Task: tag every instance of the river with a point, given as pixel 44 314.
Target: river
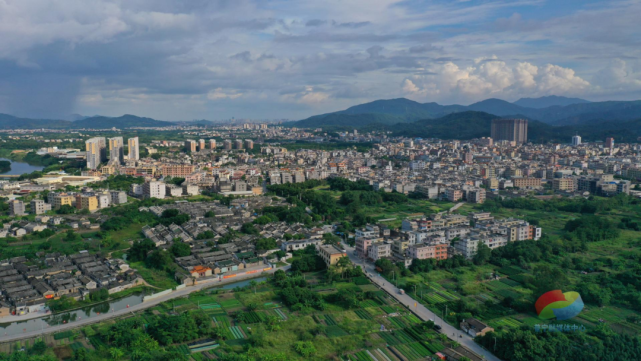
pixel 18 327
pixel 19 168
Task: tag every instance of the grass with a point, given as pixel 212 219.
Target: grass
pixel 156 278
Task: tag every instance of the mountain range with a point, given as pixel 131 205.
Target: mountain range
pixel 552 118
pixel 553 110
pixel 95 122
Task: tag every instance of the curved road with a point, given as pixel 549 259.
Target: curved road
pixel 420 310
pixel 139 307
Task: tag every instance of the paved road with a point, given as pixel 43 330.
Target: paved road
pixel 139 307
pixel 456 206
pixel 420 310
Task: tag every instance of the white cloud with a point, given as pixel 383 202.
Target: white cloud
pixel 492 78
pixel 218 94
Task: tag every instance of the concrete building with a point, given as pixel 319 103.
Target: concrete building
pixel 16 208
pixel 362 246
pixel 116 150
pixel 526 182
pixel 212 144
pixel 38 206
pixel 238 144
pixel 201 144
pixel 96 152
pixel 87 201
pixel 153 189
pixel 191 145
pixel 134 148
pixel 425 251
pixel 330 254
pixel 118 197
pixel 576 140
pixel 249 144
pixel 564 184
pixel 227 144
pixel 514 130
pixel 379 250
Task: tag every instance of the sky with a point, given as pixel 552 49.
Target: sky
pixel 282 59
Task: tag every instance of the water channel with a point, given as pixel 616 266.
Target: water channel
pixel 42 323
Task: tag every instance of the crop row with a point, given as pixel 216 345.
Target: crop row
pixel 335 331
pixel 330 321
pixel 237 332
pixel 363 314
pixel 221 321
pixel 413 351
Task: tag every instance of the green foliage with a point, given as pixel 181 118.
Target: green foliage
pixel 173 216
pixel 176 329
pixel 305 348
pixel 139 250
pixel 159 259
pixel 248 228
pixel 524 344
pixel 308 263
pixel 263 244
pixel 180 249
pixel 591 229
pixel 99 295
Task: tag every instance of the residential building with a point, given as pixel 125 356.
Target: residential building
pixel 425 251
pixel 134 148
pixel 118 197
pixel 249 144
pixel 564 184
pixel 16 208
pixel 379 250
pixel 513 130
pixel 153 189
pixel 227 144
pixel 38 206
pixel 96 152
pixel 330 254
pixel 87 201
pixel 191 145
pixel 116 150
pixel 576 140
pixel 474 327
pixel 212 144
pixel 526 182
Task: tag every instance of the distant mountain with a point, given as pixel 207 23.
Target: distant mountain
pixel 11 122
pixel 499 107
pixel 125 121
pixel 404 110
pixel 548 101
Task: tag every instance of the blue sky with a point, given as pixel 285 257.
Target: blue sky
pixel 208 59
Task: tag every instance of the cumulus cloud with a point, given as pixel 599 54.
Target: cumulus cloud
pixel 491 77
pixel 218 94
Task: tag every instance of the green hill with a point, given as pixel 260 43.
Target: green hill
pixel 125 121
pixel 11 122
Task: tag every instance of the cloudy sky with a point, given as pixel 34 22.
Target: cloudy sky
pixel 268 59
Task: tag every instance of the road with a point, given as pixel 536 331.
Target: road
pixel 456 206
pixel 139 307
pixel 420 310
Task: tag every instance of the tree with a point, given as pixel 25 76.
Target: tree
pixel 548 278
pixel 210 214
pixel 253 284
pixel 139 250
pixel 71 236
pixel 159 259
pixel 482 255
pixel 180 249
pixel 305 348
pixel 116 353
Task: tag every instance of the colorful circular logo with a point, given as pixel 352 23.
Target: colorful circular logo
pixel 557 304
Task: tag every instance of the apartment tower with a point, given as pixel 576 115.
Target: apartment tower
pixel 513 130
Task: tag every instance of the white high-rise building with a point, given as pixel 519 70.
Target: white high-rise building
pixel 576 140
pixel 96 151
pixel 153 189
pixel 134 148
pixel 116 149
